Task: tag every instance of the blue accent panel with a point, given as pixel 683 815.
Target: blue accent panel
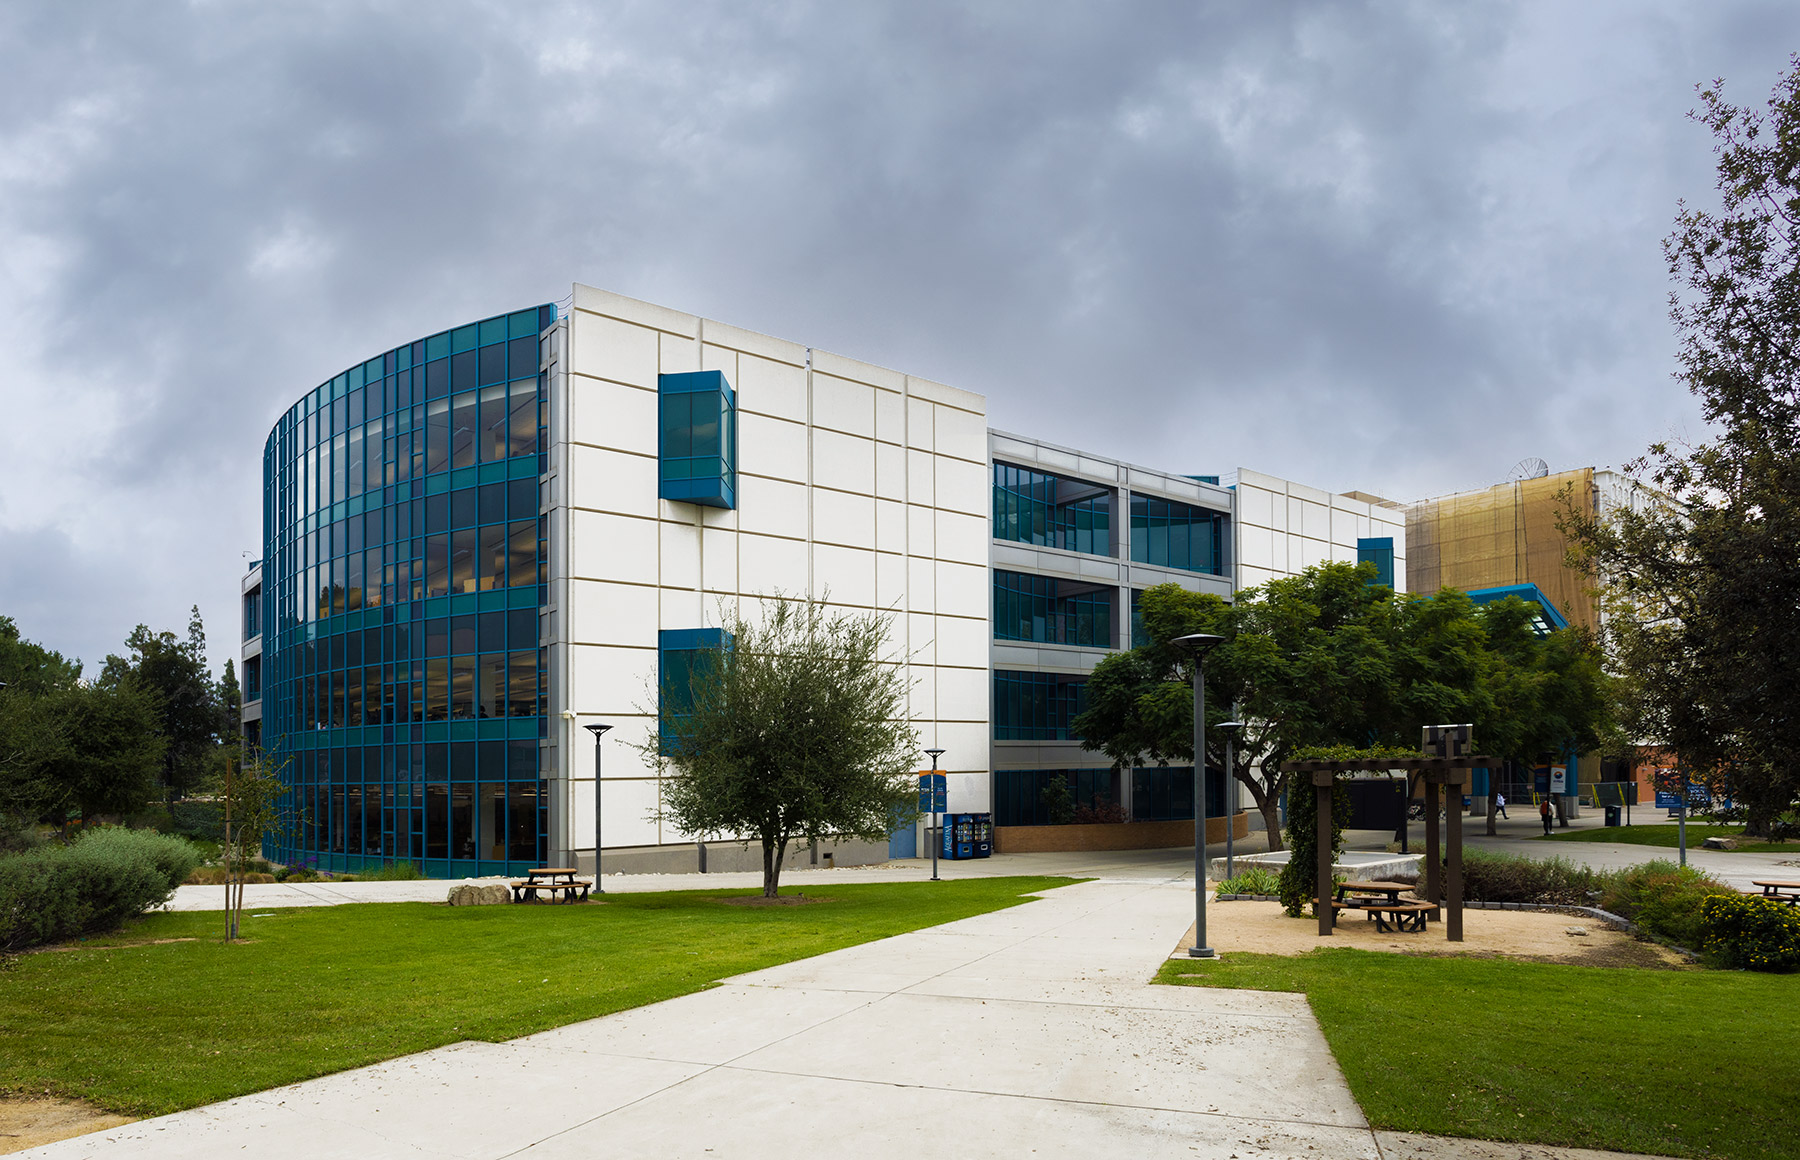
pixel 677 650
pixel 1379 551
pixel 697 439
pixel 1549 619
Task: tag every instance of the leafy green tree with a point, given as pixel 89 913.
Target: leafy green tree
pixel 191 720
pixel 1701 581
pixel 1328 659
pixel 797 732
pixel 110 753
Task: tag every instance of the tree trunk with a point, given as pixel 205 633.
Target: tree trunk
pixel 1493 829
pixel 1271 812
pixel 774 850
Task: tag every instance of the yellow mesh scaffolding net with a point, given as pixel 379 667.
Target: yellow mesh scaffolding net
pixel 1504 535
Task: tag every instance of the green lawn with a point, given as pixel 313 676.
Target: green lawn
pixel 144 1028
pixel 1684 1063
pixel 1668 834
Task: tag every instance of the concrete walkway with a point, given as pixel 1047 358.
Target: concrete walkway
pixel 1030 1031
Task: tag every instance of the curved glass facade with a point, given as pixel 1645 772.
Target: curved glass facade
pixel 403 573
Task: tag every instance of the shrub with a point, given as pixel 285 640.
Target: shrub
pixel 1757 934
pixel 1255 880
pixel 1663 899
pixel 107 876
pixel 1299 882
pixel 1057 802
pixel 1493 877
pixel 393 872
pixel 195 819
pixel 1100 813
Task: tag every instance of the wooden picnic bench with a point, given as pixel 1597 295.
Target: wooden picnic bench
pixel 1380 901
pixel 553 880
pixel 1780 889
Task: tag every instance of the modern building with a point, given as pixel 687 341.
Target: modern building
pixel 479 543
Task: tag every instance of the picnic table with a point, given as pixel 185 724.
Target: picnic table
pixel 1381 902
pixel 552 880
pixel 1780 889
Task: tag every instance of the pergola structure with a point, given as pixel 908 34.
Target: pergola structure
pixel 1440 773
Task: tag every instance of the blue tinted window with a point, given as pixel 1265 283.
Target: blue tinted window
pixel 1031 507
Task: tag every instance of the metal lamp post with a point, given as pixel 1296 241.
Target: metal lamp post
pixel 597 730
pixel 936 838
pixel 1231 793
pixel 1199 644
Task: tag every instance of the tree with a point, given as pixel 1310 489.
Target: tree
pixel 1701 583
pixel 190 718
pixel 252 796
pixel 1328 659
pixel 795 732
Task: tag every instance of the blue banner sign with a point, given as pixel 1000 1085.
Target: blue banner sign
pixel 1667 801
pixel 932 792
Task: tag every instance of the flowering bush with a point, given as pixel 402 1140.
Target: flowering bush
pixel 1757 934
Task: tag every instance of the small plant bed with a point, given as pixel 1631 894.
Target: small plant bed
pixel 141 1023
pixel 1683 1063
pixel 1668 834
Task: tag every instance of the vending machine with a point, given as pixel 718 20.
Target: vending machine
pixel 959 836
pixel 983 834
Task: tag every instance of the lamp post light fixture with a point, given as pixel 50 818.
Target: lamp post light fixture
pixel 597 731
pixel 1230 728
pixel 1199 644
pixel 936 837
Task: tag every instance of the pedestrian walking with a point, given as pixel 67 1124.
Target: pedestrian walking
pixel 1500 804
pixel 1544 813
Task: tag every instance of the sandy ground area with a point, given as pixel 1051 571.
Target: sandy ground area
pixel 1532 935
pixel 27 1123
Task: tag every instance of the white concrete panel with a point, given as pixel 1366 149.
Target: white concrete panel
pixel 963 694
pixel 1254 505
pixel 771 388
pixel 963 590
pixel 961 434
pixel 1310 552
pixel 1278 512
pixel 921 636
pixel 632 310
pixel 679 545
pixel 962 642
pixel 608 678
pixel 1344 528
pixel 963 487
pixel 862 372
pixel 890 526
pixel 611 547
pixel 684 608
pixel 610 349
pixel 1256 547
pixel 753 342
pixel 679 355
pixel 923 698
pixel 771 447
pixel 1254 577
pixel 611 481
pixel 611 415
pixel 962 538
pixel 771 507
pixel 847 574
pixel 965 744
pixel 843 405
pixel 890 471
pixel 918 424
pixel 950 396
pixel 921 585
pixel 1310 494
pixel 622 614
pixel 719 358
pixel 890 416
pixel 767 565
pixel 718 560
pixel 1315 520
pixel 967 793
pixel 843 462
pixel 921 530
pixel 627 817
pixel 843 519
pixel 921 477
pixel 890 582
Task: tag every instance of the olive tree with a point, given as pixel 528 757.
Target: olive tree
pixel 794 730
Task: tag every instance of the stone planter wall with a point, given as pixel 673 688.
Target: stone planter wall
pixel 1112 836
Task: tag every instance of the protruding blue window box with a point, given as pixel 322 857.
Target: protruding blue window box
pixel 679 650
pixel 697 446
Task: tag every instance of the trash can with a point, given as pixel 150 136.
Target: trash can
pixel 1612 815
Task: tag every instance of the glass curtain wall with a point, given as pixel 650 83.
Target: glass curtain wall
pixel 404 570
pixel 1051 611
pixel 1177 535
pixel 1031 507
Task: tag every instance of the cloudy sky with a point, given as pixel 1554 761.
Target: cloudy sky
pixel 1390 247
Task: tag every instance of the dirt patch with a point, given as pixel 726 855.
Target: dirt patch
pixel 759 902
pixel 1531 935
pixel 29 1122
pixel 113 946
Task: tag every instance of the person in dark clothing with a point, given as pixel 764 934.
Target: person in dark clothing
pixel 1544 813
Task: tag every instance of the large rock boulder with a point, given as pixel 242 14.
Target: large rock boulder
pixel 1721 844
pixel 469 894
